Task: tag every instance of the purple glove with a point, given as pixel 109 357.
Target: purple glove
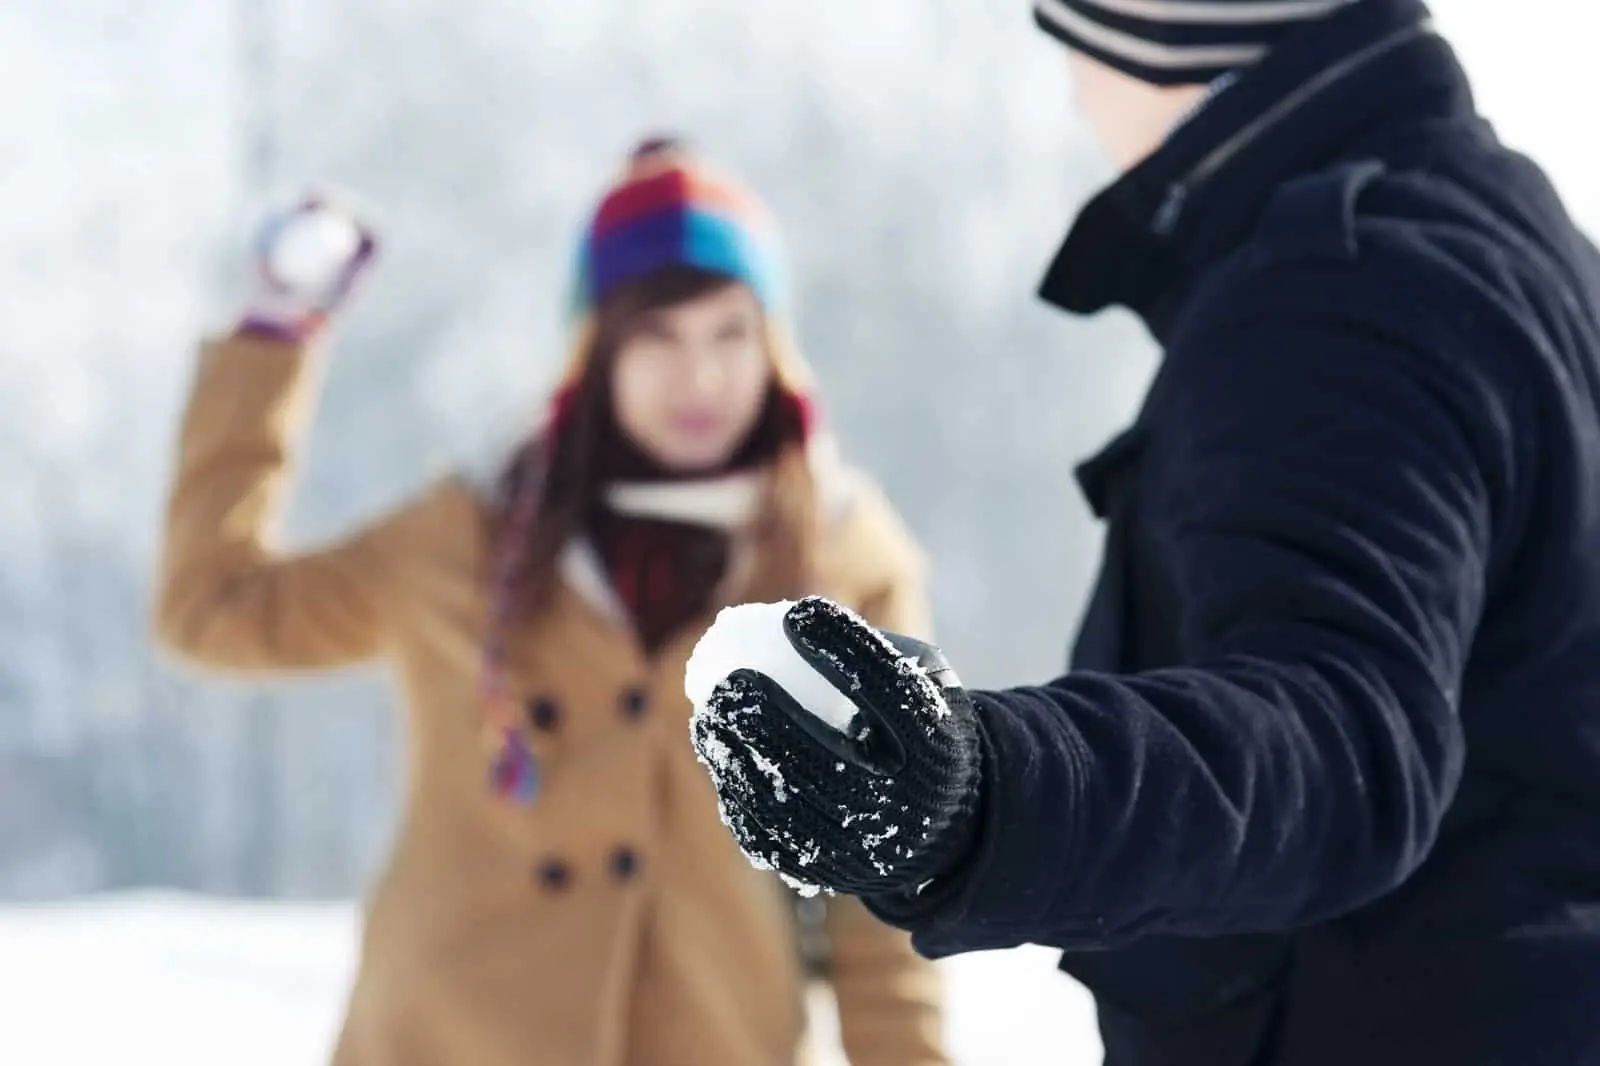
pixel 306 262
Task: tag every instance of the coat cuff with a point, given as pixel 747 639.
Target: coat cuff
pixel 932 913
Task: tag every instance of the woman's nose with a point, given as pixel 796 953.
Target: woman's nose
pixel 703 376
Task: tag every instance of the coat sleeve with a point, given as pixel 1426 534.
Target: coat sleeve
pixel 226 599
pixel 890 999
pixel 1325 498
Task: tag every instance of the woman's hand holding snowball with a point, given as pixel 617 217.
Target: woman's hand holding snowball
pixel 306 261
pixel 869 803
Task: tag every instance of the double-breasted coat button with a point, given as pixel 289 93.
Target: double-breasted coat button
pixel 554 874
pixel 544 714
pixel 624 863
pixel 635 703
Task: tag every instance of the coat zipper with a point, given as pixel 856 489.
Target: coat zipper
pixel 1177 194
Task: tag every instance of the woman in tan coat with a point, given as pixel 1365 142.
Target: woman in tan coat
pixel 561 893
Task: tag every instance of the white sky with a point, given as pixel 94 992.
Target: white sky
pixel 1530 64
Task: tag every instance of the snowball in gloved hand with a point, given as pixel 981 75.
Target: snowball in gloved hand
pixel 306 262
pixel 311 248
pixel 751 637
pixel 882 805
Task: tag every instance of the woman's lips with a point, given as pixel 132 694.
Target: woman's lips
pixel 697 424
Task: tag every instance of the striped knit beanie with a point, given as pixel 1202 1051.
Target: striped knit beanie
pixel 668 209
pixel 1177 42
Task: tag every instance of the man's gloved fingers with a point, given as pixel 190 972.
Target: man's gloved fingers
pixel 723 756
pixel 802 851
pixel 773 840
pixel 755 748
pixel 888 686
pixel 746 770
pixel 822 756
pixel 928 656
pixel 789 824
pixel 753 838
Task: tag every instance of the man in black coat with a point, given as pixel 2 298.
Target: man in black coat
pixel 1322 787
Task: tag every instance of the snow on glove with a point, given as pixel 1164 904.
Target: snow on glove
pixel 873 803
pixel 306 262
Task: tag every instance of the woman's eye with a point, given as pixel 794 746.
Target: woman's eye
pixel 733 331
pixel 653 329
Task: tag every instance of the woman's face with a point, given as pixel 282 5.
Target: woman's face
pixel 690 380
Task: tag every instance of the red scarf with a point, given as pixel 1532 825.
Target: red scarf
pixel 665 572
pixel 664 567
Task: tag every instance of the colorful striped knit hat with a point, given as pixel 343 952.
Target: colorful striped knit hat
pixel 672 209
pixel 669 209
pixel 1177 42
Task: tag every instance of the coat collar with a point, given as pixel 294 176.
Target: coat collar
pixel 1140 241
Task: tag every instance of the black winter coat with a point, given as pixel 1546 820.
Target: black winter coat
pixel 1323 785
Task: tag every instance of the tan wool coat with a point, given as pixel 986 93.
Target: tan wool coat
pixel 613 922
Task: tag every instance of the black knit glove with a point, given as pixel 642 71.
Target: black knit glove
pixel 879 809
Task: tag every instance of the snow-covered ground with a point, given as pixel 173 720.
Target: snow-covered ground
pixel 187 981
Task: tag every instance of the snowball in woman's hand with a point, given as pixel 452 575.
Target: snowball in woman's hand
pixel 312 248
pixel 751 637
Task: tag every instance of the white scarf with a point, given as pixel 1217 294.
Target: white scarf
pixel 727 503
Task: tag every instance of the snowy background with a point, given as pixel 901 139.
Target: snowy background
pixel 922 155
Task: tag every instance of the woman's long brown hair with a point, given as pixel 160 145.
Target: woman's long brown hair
pixel 782 537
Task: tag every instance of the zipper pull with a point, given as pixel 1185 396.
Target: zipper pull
pixel 1171 210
